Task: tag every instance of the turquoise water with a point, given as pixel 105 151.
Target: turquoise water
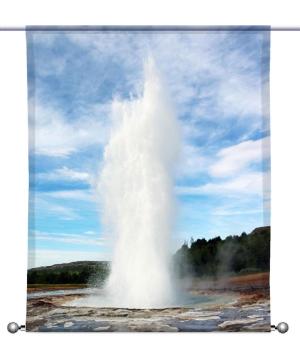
pixel 94 297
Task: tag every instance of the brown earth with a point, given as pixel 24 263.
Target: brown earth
pixel 44 287
pixel 243 283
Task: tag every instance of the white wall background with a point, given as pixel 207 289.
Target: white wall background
pixel 285 115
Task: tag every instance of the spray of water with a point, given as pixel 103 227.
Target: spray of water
pixel 136 191
pixel 136 188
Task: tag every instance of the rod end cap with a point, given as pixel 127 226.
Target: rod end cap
pixel 13 327
pixel 282 327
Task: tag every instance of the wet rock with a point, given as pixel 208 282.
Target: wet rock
pixel 232 325
pixel 68 324
pixel 52 315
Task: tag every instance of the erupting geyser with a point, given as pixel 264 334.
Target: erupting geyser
pixel 136 191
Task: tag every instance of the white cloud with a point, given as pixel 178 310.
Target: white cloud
pixel 235 211
pixel 65 213
pixel 83 195
pixel 40 202
pixel 230 161
pixel 47 67
pixel 62 205
pixel 251 183
pixel 236 84
pixel 52 134
pixel 232 85
pixel 239 96
pixel 192 161
pixel 65 238
pixel 90 233
pixel 64 174
pixel 212 76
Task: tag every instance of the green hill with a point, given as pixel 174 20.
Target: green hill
pixel 78 272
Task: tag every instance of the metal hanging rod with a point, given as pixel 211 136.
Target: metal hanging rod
pixel 147 28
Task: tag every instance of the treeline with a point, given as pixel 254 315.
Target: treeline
pixel 81 272
pixel 233 255
pixel 213 258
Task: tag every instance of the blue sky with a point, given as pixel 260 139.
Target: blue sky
pixel 217 82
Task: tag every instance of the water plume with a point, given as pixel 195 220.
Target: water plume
pixel 136 191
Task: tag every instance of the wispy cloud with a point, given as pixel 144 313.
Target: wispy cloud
pixel 193 161
pixel 231 173
pixel 52 134
pixel 38 203
pixel 64 174
pixel 212 76
pixel 90 238
pixel 80 195
pixel 247 184
pixel 230 161
pixel 227 162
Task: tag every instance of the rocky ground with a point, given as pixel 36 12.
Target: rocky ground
pixel 239 305
pixel 47 315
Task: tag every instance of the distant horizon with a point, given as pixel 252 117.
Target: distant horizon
pixel 108 261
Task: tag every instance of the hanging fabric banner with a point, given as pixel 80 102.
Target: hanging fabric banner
pixel 149 179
